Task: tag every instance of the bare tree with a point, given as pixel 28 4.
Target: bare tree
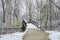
pixel 29 4
pixel 3 11
pixel 55 4
pixel 50 4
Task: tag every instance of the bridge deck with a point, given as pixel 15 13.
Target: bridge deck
pixel 34 34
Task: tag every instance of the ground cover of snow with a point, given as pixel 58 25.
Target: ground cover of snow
pixel 13 36
pixel 53 35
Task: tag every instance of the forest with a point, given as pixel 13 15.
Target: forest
pixel 41 12
pixel 44 14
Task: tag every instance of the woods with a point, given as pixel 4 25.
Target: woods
pixel 43 13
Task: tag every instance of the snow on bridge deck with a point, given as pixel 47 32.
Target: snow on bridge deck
pixel 30 25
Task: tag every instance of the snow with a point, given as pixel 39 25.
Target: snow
pixel 13 36
pixel 54 35
pixel 30 25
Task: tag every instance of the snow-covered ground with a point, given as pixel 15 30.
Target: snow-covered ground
pixel 13 36
pixel 53 35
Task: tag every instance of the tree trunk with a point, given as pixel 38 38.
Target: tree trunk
pixel 3 11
